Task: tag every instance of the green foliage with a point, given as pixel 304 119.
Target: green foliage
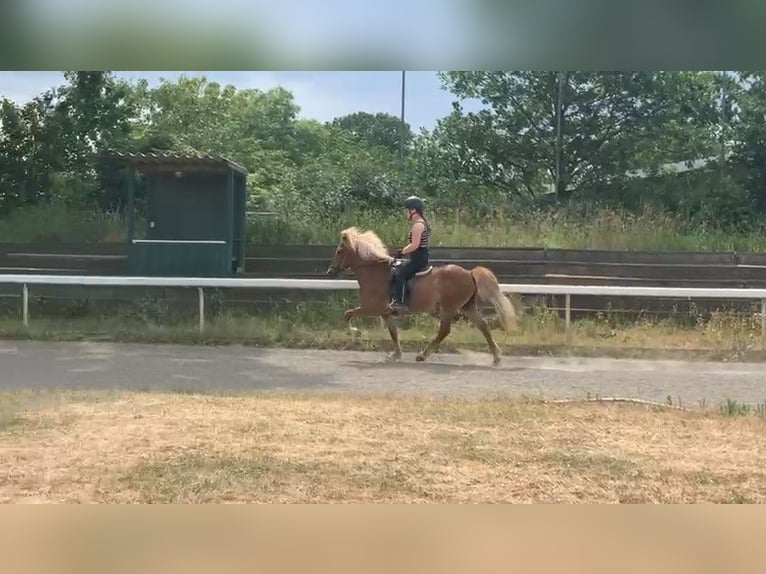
pixel 489 168
pixel 60 135
pixel 377 130
pixel 749 154
pixel 611 122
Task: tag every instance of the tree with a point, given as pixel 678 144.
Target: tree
pixel 749 153
pixel 611 123
pixel 376 130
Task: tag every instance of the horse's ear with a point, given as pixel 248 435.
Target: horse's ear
pixel 344 237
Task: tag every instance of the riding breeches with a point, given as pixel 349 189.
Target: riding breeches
pixel 418 262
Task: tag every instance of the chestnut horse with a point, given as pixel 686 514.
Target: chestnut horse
pixel 446 290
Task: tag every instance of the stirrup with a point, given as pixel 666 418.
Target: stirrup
pixel 397 307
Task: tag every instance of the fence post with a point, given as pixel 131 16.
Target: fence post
pixel 568 316
pixel 25 304
pixel 201 294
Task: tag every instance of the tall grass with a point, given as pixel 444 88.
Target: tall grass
pixel 321 324
pixel 54 223
pixel 566 227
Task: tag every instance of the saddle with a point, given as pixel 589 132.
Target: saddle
pixel 396 263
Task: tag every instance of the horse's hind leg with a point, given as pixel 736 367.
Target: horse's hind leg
pixel 471 311
pixel 445 326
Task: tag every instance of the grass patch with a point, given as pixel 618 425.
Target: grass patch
pixel 320 324
pixel 26 410
pixel 144 447
pixel 603 464
pixel 733 408
pixel 8 414
pixel 198 479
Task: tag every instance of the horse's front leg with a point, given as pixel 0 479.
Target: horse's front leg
pixel 389 321
pixel 349 315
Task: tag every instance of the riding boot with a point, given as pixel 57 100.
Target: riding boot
pixel 396 306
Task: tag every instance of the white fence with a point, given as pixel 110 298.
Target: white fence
pixel 200 283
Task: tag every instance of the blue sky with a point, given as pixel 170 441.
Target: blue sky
pixel 321 95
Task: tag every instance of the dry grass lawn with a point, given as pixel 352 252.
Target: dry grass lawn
pixel 125 448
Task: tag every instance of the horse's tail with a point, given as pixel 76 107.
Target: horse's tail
pixel 488 291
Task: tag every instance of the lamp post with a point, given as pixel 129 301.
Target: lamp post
pixel 401 126
pixel 559 135
pixel 722 158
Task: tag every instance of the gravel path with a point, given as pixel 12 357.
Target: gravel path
pixel 35 365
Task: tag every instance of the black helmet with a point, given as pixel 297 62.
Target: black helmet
pixel 414 202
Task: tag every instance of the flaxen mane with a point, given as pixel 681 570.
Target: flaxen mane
pixel 367 244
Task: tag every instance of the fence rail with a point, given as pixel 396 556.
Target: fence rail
pixel 540 266
pixel 201 283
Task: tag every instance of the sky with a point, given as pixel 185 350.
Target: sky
pixel 321 95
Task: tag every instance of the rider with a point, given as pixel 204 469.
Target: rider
pixel 417 248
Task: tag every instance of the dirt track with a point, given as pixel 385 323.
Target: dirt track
pixel 35 365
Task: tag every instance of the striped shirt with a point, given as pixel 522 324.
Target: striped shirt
pixel 425 237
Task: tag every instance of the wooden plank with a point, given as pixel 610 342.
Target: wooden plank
pixel 52 260
pixel 304 266
pixel 593 256
pixel 758 259
pixel 640 271
pixel 277 267
pixel 483 255
pixel 523 279
pixel 39 271
pixel 290 251
pixel 449 253
pixel 443 252
pixel 64 248
pixel 752 273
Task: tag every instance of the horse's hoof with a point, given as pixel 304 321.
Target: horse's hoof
pixel 496 361
pixel 393 357
pixel 420 358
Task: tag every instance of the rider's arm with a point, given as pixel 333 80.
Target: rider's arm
pixel 417 231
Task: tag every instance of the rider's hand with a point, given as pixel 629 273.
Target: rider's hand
pixel 398 253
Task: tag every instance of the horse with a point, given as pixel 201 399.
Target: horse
pixel 447 291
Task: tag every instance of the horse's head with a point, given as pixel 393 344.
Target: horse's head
pixel 358 248
pixel 343 256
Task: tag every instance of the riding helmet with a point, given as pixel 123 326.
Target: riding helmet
pixel 414 202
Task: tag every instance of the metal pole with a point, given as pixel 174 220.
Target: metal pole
pixel 131 206
pixel 401 127
pixel 568 312
pixel 558 133
pixel 25 304
pixel 763 324
pixel 723 125
pixel 201 294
